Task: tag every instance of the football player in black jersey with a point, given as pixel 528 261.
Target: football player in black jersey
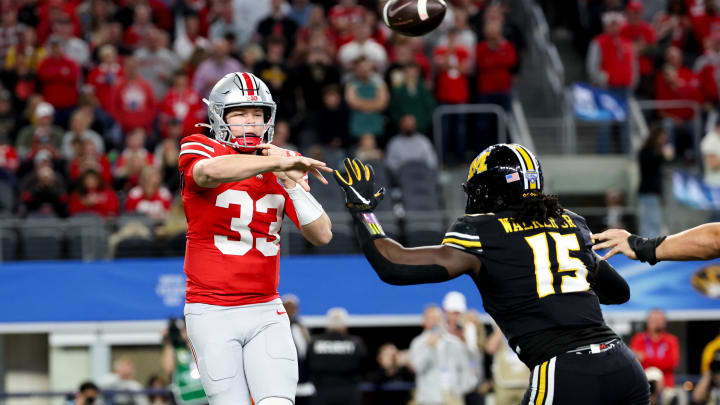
pixel 532 262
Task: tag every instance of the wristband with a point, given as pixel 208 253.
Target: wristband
pixel 367 227
pixel 644 248
pixel 307 208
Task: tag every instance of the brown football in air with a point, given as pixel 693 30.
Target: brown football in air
pixel 414 17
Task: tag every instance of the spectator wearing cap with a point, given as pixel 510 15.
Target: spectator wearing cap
pixel 215 67
pixel 103 77
pixel 363 46
pixel 93 196
pixel 335 362
pixel 133 158
pixel 612 64
pixel 278 76
pixel 411 96
pixel 642 35
pixel 367 96
pixel 467 327
pixel 442 369
pixel 656 348
pixel 40 135
pixel 181 103
pixel 80 123
pixel 133 99
pixel 188 37
pixel 676 82
pixel 278 23
pixel 149 197
pixel 43 191
pixel 156 62
pixel 73 47
pixel 409 146
pixel 60 78
pixel 452 66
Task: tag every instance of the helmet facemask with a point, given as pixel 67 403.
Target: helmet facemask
pixel 244 90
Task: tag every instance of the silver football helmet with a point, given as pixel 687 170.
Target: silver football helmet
pixel 240 89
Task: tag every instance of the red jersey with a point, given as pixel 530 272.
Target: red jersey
pixel 102 79
pixel 233 243
pixel 59 78
pixel 663 353
pixel 494 66
pixel 156 205
pixel 451 85
pixel 185 105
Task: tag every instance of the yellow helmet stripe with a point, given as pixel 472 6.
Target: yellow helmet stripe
pixel 526 156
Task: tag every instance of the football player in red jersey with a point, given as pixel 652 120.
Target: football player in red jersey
pixel 236 188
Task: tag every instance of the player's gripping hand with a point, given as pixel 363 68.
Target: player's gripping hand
pixel 358 185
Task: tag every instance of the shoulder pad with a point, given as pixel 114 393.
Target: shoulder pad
pixel 463 235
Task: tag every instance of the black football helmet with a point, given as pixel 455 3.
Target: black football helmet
pixel 500 177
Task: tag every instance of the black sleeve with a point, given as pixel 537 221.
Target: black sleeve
pixel 609 286
pixel 403 274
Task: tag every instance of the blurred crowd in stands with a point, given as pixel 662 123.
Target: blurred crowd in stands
pixel 455 360
pixel 96 93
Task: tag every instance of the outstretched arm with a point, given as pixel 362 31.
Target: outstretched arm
pixel 394 263
pixel 699 243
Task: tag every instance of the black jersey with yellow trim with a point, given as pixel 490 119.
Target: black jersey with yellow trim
pixel 535 279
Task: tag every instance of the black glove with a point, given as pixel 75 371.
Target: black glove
pixel 358 185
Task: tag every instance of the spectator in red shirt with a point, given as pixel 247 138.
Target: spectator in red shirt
pixel 182 103
pixel 149 196
pixel 707 67
pixel 133 102
pixel 704 24
pixel 86 158
pixel 612 64
pixel 93 196
pixel 133 158
pixel 676 82
pixel 9 164
pixel 642 36
pixel 657 348
pixel 343 16
pixel 496 58
pixel 136 34
pixel 60 78
pixel 452 65
pixel 105 75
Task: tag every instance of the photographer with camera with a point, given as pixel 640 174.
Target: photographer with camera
pixel 707 390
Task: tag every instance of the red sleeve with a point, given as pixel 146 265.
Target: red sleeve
pixel 637 343
pixel 111 204
pixel 76 204
pixel 131 203
pixel 193 149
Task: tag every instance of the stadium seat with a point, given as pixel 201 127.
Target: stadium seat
pixel 329 196
pixel 8 244
pixel 128 217
pixel 418 186
pixel 87 237
pixel 343 241
pixel 7 199
pixel 42 237
pixel 135 247
pixel 424 230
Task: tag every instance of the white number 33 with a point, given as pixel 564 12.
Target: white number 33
pixel 241 224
